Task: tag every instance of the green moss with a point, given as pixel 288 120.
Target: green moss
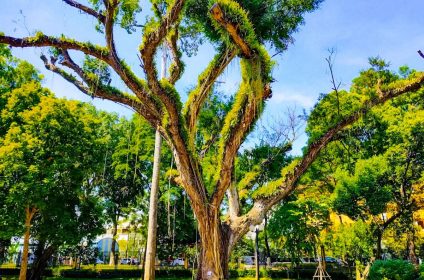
pixel 194 94
pixel 248 180
pixel 236 15
pixel 289 168
pixel 149 28
pixel 250 92
pixel 174 97
pixel 268 189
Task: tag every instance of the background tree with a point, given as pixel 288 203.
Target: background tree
pixel 235 32
pixel 42 174
pixel 14 74
pixel 126 169
pixel 297 225
pixel 374 165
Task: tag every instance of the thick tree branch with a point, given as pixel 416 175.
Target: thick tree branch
pixel 86 10
pixel 96 89
pixel 109 21
pixel 41 40
pixel 233 202
pixel 262 205
pixel 391 219
pixel 177 66
pixel 206 80
pixel 232 29
pixel 153 38
pixel 250 111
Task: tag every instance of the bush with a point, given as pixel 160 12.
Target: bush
pixel 421 272
pixel 123 273
pixel 72 273
pixel 15 271
pixel 392 270
pixel 187 273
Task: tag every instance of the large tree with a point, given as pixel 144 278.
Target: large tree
pixel 237 29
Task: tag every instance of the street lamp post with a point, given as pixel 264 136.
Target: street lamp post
pixel 257 251
pixel 256 230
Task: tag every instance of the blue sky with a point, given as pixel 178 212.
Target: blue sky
pixel 356 29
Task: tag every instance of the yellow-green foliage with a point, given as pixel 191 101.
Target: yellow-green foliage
pixel 337 105
pixel 289 168
pixel 150 27
pixel 248 180
pixel 271 187
pixel 251 89
pixel 154 23
pixel 172 173
pixel 268 189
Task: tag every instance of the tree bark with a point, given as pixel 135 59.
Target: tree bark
pixel 4 244
pixel 29 214
pixel 379 235
pixel 412 256
pixel 216 244
pixel 112 258
pixel 268 251
pixel 41 262
pixel 149 266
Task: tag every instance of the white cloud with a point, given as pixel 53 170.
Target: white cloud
pixel 290 96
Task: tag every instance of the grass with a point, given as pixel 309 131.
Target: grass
pixel 59 278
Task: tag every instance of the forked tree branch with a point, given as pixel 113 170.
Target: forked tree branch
pixel 155 37
pixel 247 112
pixel 129 78
pixel 198 95
pixel 94 88
pixel 241 224
pixel 166 92
pixel 136 85
pixel 41 40
pixel 250 113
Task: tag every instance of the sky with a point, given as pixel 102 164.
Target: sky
pixel 355 29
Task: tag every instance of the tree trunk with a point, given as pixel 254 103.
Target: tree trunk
pixel 144 254
pixel 4 244
pixel 378 250
pixel 113 259
pixel 29 214
pixel 216 244
pixel 268 251
pixel 149 266
pixel 412 257
pixel 41 263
